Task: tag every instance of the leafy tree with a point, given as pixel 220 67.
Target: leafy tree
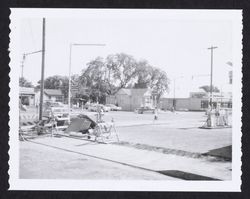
pixel 159 82
pixel 94 78
pixel 25 83
pixel 56 82
pixel 143 73
pixel 121 71
pixel 151 77
pixel 206 88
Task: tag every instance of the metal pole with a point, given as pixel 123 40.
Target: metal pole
pixel 69 95
pixel 174 96
pixel 42 72
pixel 211 77
pixel 23 64
pixel 211 80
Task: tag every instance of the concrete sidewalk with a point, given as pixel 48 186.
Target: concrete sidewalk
pixel 148 160
pixel 60 164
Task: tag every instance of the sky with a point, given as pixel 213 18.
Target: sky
pixel 177 45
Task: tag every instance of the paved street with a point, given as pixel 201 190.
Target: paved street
pixel 176 132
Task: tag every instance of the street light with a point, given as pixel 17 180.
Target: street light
pixel 211 76
pixel 22 65
pixel 24 57
pixel 70 53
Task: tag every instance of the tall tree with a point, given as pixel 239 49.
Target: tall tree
pixel 206 88
pixel 122 70
pixel 159 82
pixel 57 82
pixel 94 78
pixel 143 74
pixel 25 83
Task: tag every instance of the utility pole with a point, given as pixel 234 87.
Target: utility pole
pixel 211 77
pixel 69 93
pixel 42 73
pixel 23 64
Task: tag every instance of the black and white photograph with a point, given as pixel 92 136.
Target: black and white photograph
pixel 125 100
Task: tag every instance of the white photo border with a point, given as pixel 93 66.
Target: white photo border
pixel 235 16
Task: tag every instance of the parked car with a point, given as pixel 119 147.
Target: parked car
pixel 114 107
pixel 58 112
pixel 94 107
pixel 105 108
pixel 54 104
pixel 143 109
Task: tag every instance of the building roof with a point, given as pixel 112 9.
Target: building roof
pixel 124 91
pixel 132 91
pixel 26 90
pixel 139 91
pixel 53 92
pixel 198 90
pixel 148 92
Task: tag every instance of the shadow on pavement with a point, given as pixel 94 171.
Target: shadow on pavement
pixel 185 175
pixel 224 152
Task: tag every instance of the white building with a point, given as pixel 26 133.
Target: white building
pixel 197 101
pixel 54 95
pixel 27 96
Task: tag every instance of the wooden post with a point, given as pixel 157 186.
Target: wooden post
pixel 42 73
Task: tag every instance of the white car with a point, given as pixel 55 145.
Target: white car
pixel 114 107
pixel 60 113
pixel 94 107
pixel 106 108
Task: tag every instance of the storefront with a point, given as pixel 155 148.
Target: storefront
pixel 27 96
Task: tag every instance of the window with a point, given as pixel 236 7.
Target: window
pixel 59 98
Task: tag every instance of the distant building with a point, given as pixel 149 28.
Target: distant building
pixel 197 101
pixel 54 95
pixel 27 96
pixel 130 99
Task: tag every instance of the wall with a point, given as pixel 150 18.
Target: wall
pixel 192 104
pixel 129 102
pixel 111 99
pixel 182 104
pixel 166 103
pixel 195 104
pixel 124 101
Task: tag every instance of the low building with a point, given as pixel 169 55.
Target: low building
pixel 27 96
pixel 197 101
pixel 54 95
pixel 130 99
